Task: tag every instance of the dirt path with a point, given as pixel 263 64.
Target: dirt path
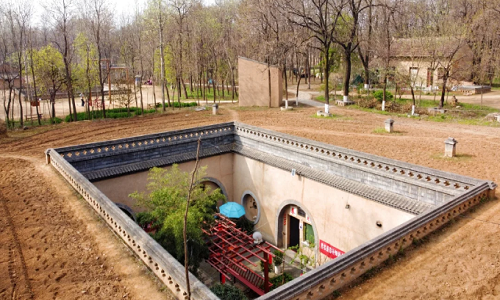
pixel 54 247
pixel 69 253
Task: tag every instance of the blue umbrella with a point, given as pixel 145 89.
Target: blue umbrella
pixel 232 210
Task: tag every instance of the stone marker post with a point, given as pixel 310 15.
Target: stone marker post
pixel 215 108
pixel 450 147
pixel 389 125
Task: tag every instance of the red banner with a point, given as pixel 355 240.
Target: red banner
pixel 329 250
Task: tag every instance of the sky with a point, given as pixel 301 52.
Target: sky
pixel 119 7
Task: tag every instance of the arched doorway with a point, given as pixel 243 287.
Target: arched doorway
pixel 252 206
pixel 295 227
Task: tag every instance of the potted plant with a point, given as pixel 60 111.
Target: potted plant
pixel 278 262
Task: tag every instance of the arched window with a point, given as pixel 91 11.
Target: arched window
pixel 252 207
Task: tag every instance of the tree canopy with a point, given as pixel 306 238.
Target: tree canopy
pixel 165 204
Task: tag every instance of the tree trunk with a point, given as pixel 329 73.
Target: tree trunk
pixel 101 81
pixel 21 121
pixel 184 86
pixel 153 81
pixel 367 75
pixel 222 89
pixel 199 92
pixel 298 85
pixel 327 78
pixel 286 81
pixel 443 91
pixel 179 91
pixel 213 85
pixel 412 94
pixel 233 85
pixel 308 69
pixel 191 82
pixel 384 98
pixel 162 58
pixel 34 87
pixel 205 83
pixel 347 73
pixel 269 82
pixel 191 186
pixel 53 102
pixel 168 93
pixel 69 107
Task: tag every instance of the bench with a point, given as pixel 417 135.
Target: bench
pixel 33 117
pixel 151 106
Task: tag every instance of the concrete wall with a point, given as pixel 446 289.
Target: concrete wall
pixel 274 190
pixel 253 82
pixel 343 228
pixel 118 188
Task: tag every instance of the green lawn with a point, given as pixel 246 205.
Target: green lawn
pixel 468 114
pixel 321 98
pixel 463 105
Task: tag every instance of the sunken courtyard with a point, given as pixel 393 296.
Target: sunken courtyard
pixel 351 209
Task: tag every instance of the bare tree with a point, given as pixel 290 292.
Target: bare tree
pixel 98 17
pixel 320 18
pixel 365 36
pixel 18 15
pixel 161 25
pixel 62 13
pixel 8 73
pixel 347 34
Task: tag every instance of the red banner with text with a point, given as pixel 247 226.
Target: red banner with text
pixel 329 250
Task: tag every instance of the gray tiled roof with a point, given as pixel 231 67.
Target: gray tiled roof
pixel 350 186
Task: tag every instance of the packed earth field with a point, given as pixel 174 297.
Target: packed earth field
pixel 53 246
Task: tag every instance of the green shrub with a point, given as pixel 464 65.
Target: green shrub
pixel 184 104
pixel 177 105
pixel 278 280
pixel 56 120
pixel 145 218
pixel 245 225
pixel 228 292
pixel 379 95
pixel 114 113
pixel 138 112
pixel 278 257
pixel 118 115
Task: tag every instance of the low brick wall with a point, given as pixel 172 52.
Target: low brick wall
pixel 163 265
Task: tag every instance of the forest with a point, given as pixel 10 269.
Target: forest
pixel 186 46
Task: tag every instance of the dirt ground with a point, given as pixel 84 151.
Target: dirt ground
pixel 53 246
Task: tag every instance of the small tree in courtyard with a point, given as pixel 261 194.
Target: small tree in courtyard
pixel 165 202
